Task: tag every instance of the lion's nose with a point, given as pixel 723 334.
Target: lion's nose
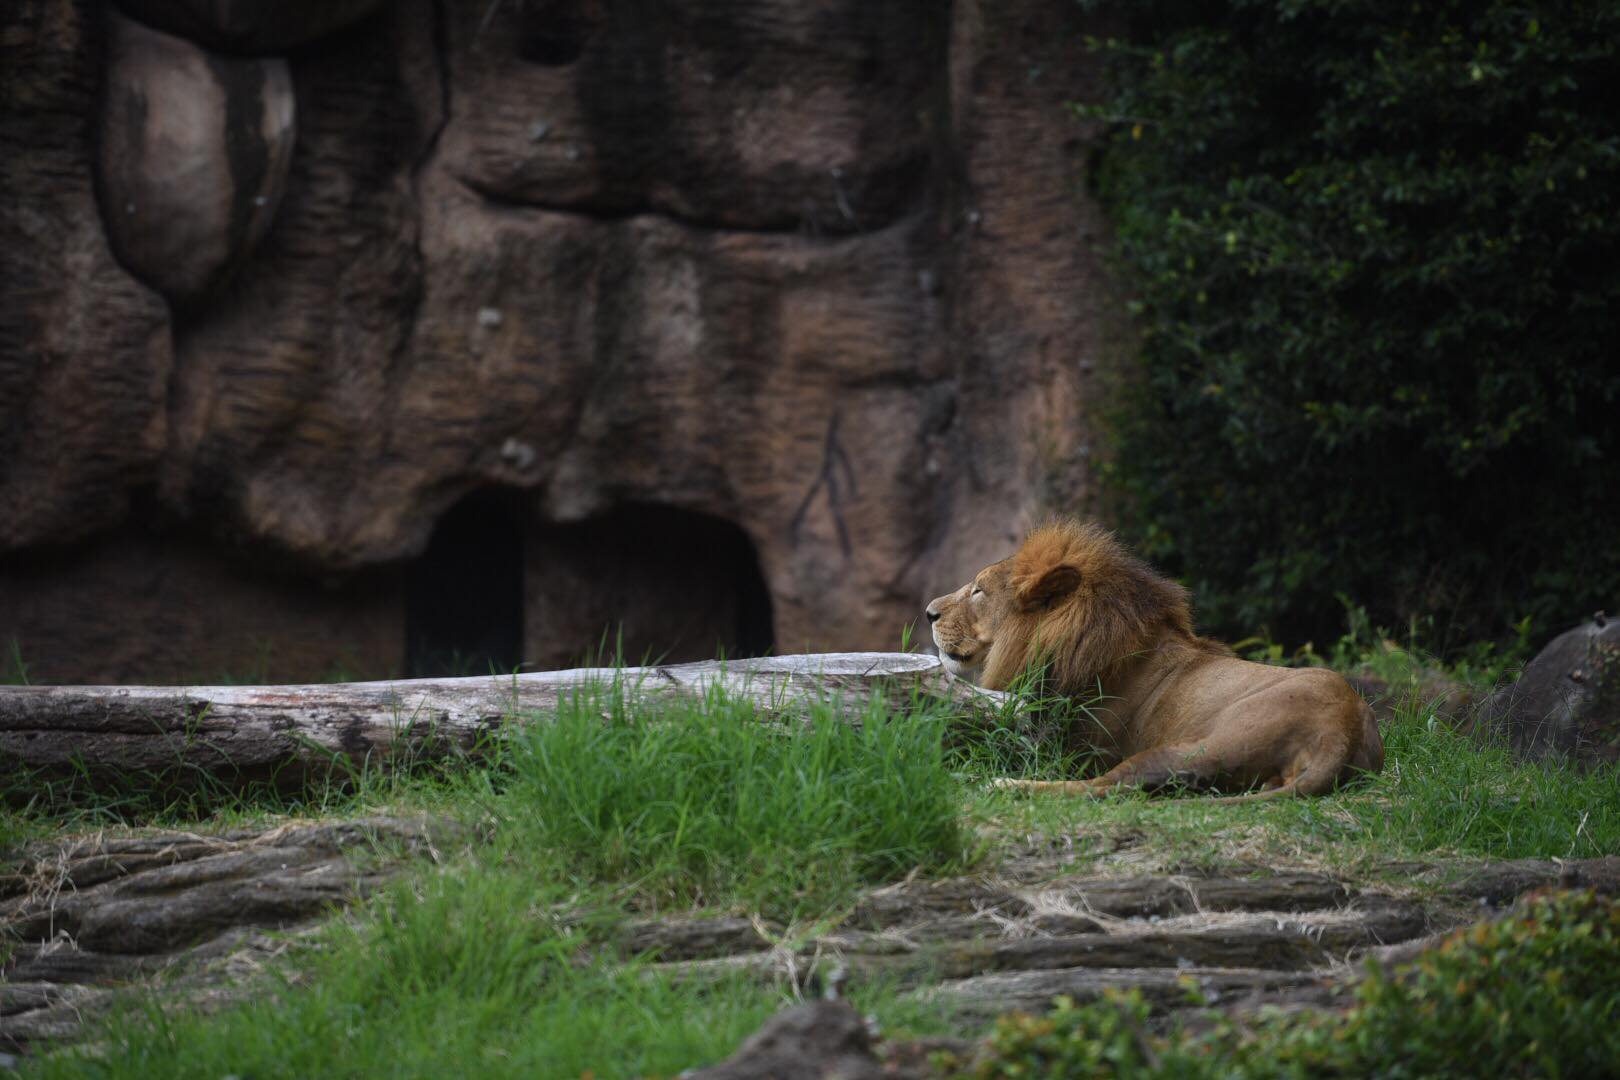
pixel 931 613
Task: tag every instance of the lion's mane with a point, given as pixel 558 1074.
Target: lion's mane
pixel 1120 610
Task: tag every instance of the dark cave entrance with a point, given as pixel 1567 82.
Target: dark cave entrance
pixel 650 583
pixel 464 595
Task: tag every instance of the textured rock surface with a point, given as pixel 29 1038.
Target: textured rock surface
pixel 196 918
pixel 254 26
pixel 821 1040
pixel 822 275
pixel 90 917
pixel 1567 702
pixel 182 610
pixel 85 357
pixel 979 947
pixel 978 938
pixel 192 156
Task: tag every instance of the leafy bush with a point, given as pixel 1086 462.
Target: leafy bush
pixel 1537 994
pixel 1375 251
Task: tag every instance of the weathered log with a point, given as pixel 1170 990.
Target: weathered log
pixel 286 733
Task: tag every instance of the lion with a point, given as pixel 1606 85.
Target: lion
pixel 1175 708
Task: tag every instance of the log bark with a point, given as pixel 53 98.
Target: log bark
pixel 286 733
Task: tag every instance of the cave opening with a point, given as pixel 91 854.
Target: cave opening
pixel 645 584
pixel 464 595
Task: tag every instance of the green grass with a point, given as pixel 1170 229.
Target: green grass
pixel 1402 658
pixel 674 801
pixel 721 802
pixel 38 804
pixel 487 968
pixel 13 669
pixel 469 973
pixel 498 962
pixel 1441 794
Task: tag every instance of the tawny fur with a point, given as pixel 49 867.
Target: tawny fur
pixel 1175 707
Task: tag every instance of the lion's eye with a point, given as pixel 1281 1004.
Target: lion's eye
pixel 977 591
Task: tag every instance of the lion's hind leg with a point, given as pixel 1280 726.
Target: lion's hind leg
pixel 1314 773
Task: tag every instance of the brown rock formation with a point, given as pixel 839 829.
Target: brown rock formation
pixel 181 610
pixel 251 26
pixel 193 156
pixel 84 348
pixel 820 278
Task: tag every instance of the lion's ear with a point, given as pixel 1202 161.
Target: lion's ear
pixel 1047 588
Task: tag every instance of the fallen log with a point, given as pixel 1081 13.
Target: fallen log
pixel 284 734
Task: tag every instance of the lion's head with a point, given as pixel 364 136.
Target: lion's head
pixel 1071 596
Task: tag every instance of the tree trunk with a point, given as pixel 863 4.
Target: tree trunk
pixel 286 733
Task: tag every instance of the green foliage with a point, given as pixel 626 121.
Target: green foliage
pixel 1035 733
pixel 1441 793
pixel 1375 250
pixel 502 962
pixel 721 799
pixel 1106 1039
pixel 465 976
pixel 1404 663
pixel 1537 994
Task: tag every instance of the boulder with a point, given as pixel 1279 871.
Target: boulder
pixel 193 157
pixel 1567 702
pixel 820 1040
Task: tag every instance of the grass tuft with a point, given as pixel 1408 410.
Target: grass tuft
pixel 721 801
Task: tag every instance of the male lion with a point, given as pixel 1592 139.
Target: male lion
pixel 1178 707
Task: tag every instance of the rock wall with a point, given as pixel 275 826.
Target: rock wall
pixel 284 287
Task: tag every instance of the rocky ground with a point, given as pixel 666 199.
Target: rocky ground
pixel 94 919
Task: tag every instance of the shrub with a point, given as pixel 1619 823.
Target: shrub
pixel 1375 254
pixel 1536 994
